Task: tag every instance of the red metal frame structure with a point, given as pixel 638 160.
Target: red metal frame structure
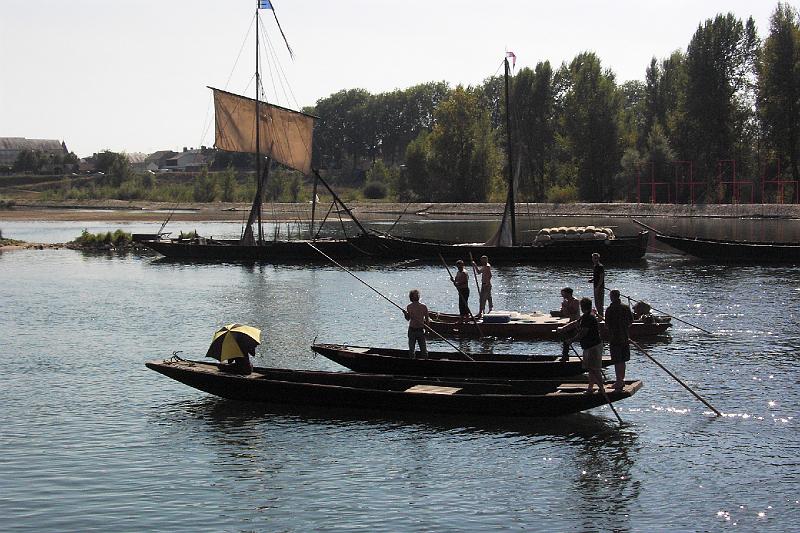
pixel 779 182
pixel 736 184
pixel 652 183
pixel 683 182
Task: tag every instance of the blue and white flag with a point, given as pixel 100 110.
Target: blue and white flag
pixel 264 4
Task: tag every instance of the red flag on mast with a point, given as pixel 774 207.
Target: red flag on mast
pixel 513 57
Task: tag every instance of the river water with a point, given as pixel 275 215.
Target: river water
pixel 92 440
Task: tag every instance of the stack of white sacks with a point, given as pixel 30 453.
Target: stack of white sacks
pixel 572 233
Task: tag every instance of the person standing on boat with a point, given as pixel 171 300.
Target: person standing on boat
pixel 417 315
pixel 571 309
pixel 485 270
pixel 618 319
pixel 598 281
pixel 589 337
pixel 461 281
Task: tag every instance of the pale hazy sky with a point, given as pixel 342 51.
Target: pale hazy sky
pixel 131 75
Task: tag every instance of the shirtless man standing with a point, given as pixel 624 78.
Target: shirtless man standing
pixel 485 270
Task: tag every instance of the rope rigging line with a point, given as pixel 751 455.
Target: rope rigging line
pixel 283 81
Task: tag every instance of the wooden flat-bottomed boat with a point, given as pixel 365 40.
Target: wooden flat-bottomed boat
pixel 619 250
pixel 531 326
pixel 731 251
pixel 482 365
pixel 528 398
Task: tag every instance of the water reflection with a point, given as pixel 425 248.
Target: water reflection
pixel 222 416
pixel 604 485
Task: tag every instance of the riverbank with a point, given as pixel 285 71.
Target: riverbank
pixel 124 211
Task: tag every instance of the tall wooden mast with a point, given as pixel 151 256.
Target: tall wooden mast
pixel 258 138
pixel 510 150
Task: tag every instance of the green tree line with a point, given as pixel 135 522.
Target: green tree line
pixel 729 100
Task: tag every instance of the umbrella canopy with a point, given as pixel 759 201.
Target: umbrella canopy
pixel 234 340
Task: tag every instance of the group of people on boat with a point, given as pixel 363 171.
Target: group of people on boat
pixel 585 317
pixel 461 281
pixel 583 326
pixel 618 318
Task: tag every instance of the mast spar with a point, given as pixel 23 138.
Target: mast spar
pixel 511 198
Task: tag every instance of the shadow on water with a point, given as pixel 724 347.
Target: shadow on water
pixel 605 485
pixel 224 415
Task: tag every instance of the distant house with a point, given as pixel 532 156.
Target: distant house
pixel 189 159
pixel 10 148
pixel 86 165
pixel 158 160
pixel 137 161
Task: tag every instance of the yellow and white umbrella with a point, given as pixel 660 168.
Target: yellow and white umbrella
pixel 234 340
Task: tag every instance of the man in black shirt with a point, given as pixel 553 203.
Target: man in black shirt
pixel 589 336
pixel 618 320
pixel 598 281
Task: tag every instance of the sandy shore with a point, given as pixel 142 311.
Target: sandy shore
pixel 122 211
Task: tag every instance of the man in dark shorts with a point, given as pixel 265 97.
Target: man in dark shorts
pixel 589 335
pixel 461 281
pixel 417 315
pixel 598 281
pixel 618 320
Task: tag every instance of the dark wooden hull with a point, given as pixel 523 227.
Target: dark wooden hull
pixel 269 252
pixel 618 250
pixel 392 393
pixel 538 328
pixel 396 361
pixel 724 251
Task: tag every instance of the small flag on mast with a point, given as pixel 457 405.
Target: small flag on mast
pixel 267 4
pixel 513 57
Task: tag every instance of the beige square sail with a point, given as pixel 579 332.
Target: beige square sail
pixel 285 135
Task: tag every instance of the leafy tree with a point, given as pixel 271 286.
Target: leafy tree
pixel 591 106
pixel 417 176
pixel 228 185
pixel 340 130
pixel 463 155
pixel 295 185
pixel 28 161
pixel 375 190
pixel 533 123
pixel 205 187
pixel 779 87
pixel 665 96
pixel 719 64
pixel 115 166
pixel 235 160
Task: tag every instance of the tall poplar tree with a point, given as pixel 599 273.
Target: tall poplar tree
pixel 463 153
pixel 779 88
pixel 719 66
pixel 591 106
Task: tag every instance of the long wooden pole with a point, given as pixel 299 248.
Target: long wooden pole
pixel 510 149
pixel 475 274
pixel 460 298
pixel 664 313
pixel 676 378
pixel 602 386
pixel 427 327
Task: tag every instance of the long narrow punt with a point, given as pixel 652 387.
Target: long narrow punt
pixel 531 326
pixel 730 251
pixel 483 365
pixel 392 393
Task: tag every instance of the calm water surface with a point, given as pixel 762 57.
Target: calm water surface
pixel 92 440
